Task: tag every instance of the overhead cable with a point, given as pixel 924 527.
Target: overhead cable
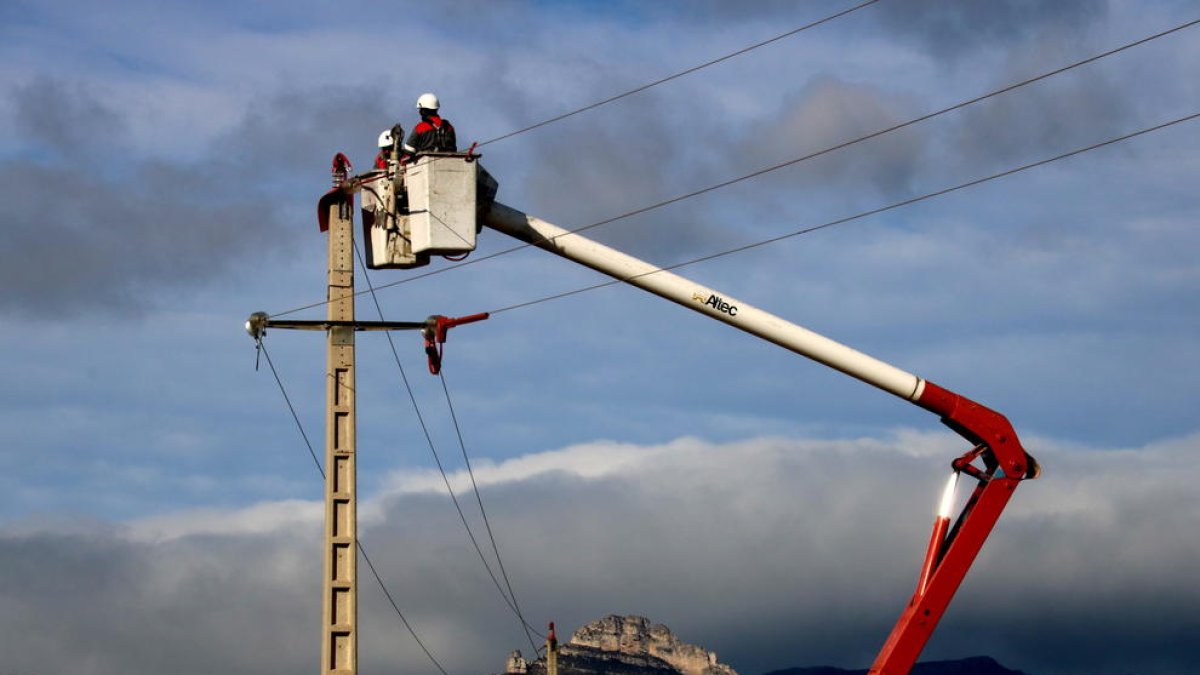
pixel 680 74
pixel 370 565
pixel 781 165
pixel 510 602
pixel 857 216
pixel 482 512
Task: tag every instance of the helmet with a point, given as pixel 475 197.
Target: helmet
pixel 427 102
pixel 385 139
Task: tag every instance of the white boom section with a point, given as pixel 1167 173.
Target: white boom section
pixel 704 300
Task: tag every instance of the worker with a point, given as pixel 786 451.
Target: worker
pixel 387 145
pixel 372 207
pixel 433 133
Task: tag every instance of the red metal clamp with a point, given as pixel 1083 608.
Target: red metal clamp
pixel 434 333
pixel 340 169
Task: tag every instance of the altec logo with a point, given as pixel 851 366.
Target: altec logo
pixel 717 303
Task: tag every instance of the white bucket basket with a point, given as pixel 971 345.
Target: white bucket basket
pixel 438 213
pixel 441 204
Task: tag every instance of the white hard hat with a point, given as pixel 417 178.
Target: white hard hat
pixel 427 102
pixel 385 139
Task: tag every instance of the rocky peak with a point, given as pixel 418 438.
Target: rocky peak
pixel 626 645
pixel 635 635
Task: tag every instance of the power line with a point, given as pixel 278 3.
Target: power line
pixel 482 512
pixel 370 565
pixel 512 604
pixel 386 592
pixel 781 165
pixel 678 75
pixel 674 76
pixel 858 216
pixel 263 347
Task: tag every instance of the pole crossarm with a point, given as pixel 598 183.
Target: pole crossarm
pixel 258 322
pixel 356 325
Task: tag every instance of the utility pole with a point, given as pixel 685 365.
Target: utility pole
pixel 339 591
pixel 339 614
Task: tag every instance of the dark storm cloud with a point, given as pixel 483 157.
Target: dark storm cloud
pixel 1012 132
pixel 67 118
pixel 293 133
pixel 1085 105
pixel 77 242
pixel 99 603
pixel 784 14
pixel 771 553
pixel 949 30
pixel 593 168
pixel 828 112
pixel 91 228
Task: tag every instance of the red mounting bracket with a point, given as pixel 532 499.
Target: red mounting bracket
pixel 434 333
pixel 340 169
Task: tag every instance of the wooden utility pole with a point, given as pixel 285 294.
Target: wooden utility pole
pixel 339 615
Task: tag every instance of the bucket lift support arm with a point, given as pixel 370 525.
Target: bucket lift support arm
pixel 995 444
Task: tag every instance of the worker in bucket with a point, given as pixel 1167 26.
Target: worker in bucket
pixel 387 146
pixel 433 133
pixel 386 161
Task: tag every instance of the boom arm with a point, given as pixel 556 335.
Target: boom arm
pixel 952 549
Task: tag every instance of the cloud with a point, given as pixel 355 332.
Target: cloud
pixel 79 243
pixel 1067 111
pixel 949 30
pixel 95 229
pixel 84 599
pixel 260 519
pixel 63 117
pixel 827 112
pixel 771 552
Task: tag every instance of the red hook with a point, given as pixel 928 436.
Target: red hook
pixel 340 169
pixel 435 336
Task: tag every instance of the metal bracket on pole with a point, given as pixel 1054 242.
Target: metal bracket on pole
pixel 434 330
pixel 259 322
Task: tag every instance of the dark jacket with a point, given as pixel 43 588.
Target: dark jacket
pixel 433 134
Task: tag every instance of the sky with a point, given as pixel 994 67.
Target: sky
pixel 160 167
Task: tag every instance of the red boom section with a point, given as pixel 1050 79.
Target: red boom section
pixel 1005 465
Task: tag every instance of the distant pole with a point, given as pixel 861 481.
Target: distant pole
pixel 551 651
pixel 339 626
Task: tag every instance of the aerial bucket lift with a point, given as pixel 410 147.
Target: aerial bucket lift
pixel 430 207
pixel 451 196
